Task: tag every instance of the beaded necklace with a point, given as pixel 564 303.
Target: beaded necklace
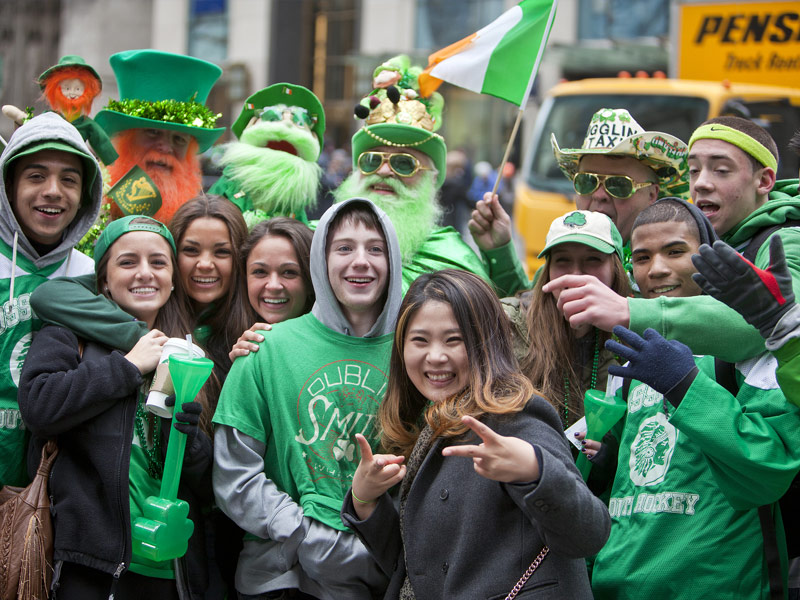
pixel 154 465
pixel 593 381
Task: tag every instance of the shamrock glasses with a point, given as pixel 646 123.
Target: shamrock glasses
pixel 402 164
pixel 300 115
pixel 619 186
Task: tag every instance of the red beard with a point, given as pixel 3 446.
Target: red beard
pixel 69 107
pixel 178 180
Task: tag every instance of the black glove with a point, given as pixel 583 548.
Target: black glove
pixel 188 420
pixel 761 296
pixel 658 362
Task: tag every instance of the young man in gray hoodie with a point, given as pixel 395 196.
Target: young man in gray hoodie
pixel 50 194
pixel 284 447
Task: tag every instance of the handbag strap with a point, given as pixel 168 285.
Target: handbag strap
pixel 527 574
pixel 49 453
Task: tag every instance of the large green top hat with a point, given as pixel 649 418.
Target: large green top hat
pixel 161 90
pixel 396 115
pixel 70 60
pixel 282 93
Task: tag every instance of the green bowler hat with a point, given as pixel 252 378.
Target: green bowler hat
pixel 69 60
pixel 402 136
pixel 167 89
pixel 282 93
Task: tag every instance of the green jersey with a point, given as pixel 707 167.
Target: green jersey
pixel 689 481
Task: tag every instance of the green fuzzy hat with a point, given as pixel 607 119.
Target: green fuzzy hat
pixel 282 93
pixel 162 90
pixel 70 60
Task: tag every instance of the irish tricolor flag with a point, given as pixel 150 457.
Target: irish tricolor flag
pixel 501 59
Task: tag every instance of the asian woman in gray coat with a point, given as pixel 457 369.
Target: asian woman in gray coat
pixel 488 487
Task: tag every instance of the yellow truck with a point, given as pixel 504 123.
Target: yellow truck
pixel 736 47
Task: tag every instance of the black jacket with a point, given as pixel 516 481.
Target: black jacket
pixel 465 536
pixel 88 404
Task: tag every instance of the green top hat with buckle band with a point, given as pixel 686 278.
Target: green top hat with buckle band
pixel 69 60
pixel 283 93
pixel 162 90
pixel 614 132
pixel 397 116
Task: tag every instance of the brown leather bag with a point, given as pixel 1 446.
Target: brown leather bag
pixel 26 535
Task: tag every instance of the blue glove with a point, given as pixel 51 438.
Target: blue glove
pixel 188 420
pixel 761 296
pixel 662 364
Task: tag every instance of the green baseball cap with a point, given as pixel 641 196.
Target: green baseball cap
pixel 282 93
pixel 90 167
pixel 120 227
pixel 590 228
pixel 69 60
pixel 162 90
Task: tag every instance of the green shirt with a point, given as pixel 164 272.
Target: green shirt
pixel 18 322
pixel 305 394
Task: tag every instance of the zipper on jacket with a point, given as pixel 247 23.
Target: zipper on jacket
pixel 117 575
pixel 126 527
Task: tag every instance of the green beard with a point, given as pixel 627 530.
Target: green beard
pixel 414 212
pixel 276 182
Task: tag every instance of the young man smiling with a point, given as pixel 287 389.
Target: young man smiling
pixel 51 194
pixel 284 447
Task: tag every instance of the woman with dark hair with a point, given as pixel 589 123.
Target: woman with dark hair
pixel 276 264
pixel 90 399
pixel 455 391
pixel 564 361
pixel 210 232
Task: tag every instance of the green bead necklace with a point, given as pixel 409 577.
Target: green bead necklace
pixel 593 381
pixel 155 467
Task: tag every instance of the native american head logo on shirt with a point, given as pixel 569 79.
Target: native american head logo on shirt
pixel 652 450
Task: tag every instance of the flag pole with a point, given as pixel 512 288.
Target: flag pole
pixel 508 150
pixel 527 94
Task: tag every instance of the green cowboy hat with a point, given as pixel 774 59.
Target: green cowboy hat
pixel 70 60
pixel 162 90
pixel 402 136
pixel 282 93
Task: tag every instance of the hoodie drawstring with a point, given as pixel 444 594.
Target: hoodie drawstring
pixel 13 269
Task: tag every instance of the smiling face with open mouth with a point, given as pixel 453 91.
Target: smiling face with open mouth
pixel 434 353
pixel 724 184
pixel 275 285
pixel 138 275
pixel 358 270
pixel 205 260
pixel 46 194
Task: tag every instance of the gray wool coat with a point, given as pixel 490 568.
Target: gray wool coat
pixel 470 537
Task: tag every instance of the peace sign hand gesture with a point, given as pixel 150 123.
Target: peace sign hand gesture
pixel 501 458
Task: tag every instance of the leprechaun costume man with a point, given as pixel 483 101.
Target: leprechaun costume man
pixel 158 126
pixel 272 169
pixel 399 163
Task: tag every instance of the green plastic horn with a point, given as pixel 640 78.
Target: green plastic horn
pixel 601 415
pixel 163 532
